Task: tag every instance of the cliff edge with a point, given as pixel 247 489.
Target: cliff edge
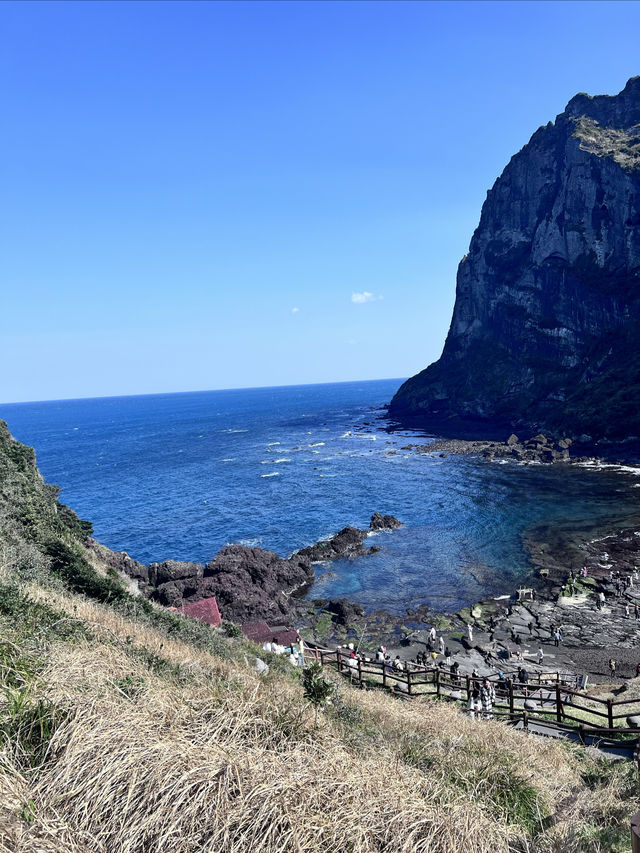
pixel 547 313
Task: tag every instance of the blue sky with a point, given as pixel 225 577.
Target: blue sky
pixel 179 177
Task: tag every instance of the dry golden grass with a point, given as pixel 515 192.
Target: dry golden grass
pixel 218 759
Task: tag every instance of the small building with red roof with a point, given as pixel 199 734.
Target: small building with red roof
pixel 205 610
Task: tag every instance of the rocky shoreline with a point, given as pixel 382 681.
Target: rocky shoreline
pixel 537 449
pixel 248 583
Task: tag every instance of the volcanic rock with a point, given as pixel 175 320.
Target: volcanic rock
pixel 547 313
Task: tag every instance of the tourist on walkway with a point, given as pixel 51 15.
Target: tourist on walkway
pixel 530 627
pixel 474 705
pixel 470 632
pixel 540 656
pixel 300 650
pixel 557 638
pixel 441 646
pixel 601 600
pixel 487 698
pixel 627 610
pixel 447 656
pixel 432 634
pixel 636 611
pixel 612 666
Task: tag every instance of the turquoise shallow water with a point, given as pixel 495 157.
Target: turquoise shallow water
pixel 179 475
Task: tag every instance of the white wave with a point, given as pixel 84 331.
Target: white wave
pixel 272 443
pixel 276 461
pixel 250 543
pixel 346 434
pixel 317 452
pixel 229 460
pixel 611 466
pixel 272 474
pixel 234 430
pixel 317 444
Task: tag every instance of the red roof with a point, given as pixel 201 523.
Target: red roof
pixel 205 610
pixel 260 632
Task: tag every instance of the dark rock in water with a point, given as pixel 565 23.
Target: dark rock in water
pixel 344 612
pixel 384 522
pixel 346 543
pixel 547 314
pixel 349 541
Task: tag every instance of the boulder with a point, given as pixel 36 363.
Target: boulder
pixel 633 722
pixel 261 667
pixel 251 583
pixel 344 612
pixel 173 570
pixel 513 440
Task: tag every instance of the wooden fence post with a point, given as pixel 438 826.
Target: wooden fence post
pixel 511 703
pixel 339 659
pixel 360 672
pixel 468 686
pixel 635 833
pixel 437 677
pixel 384 674
pixel 409 682
pixel 610 712
pixel 558 703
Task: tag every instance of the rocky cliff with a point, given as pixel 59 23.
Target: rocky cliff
pixel 546 322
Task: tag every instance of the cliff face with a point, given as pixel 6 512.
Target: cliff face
pixel 545 329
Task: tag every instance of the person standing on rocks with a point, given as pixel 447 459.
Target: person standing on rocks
pixel 441 645
pixel 432 635
pixel 612 666
pixel 601 600
pixel 447 656
pixel 636 611
pixel 470 632
pixel 540 656
pixel 627 611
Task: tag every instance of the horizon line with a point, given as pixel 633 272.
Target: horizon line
pixel 199 391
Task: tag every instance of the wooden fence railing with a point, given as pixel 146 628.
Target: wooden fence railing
pixel 635 833
pixel 552 698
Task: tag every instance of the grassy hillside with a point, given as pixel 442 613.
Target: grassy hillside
pixel 126 728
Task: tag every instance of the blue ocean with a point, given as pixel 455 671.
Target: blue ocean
pixel 180 475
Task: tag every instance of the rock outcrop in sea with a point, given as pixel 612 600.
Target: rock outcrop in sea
pixel 248 583
pixel 547 313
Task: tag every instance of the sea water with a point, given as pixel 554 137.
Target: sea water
pixel 178 476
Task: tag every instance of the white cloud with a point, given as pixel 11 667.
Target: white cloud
pixel 365 296
pixel 295 310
